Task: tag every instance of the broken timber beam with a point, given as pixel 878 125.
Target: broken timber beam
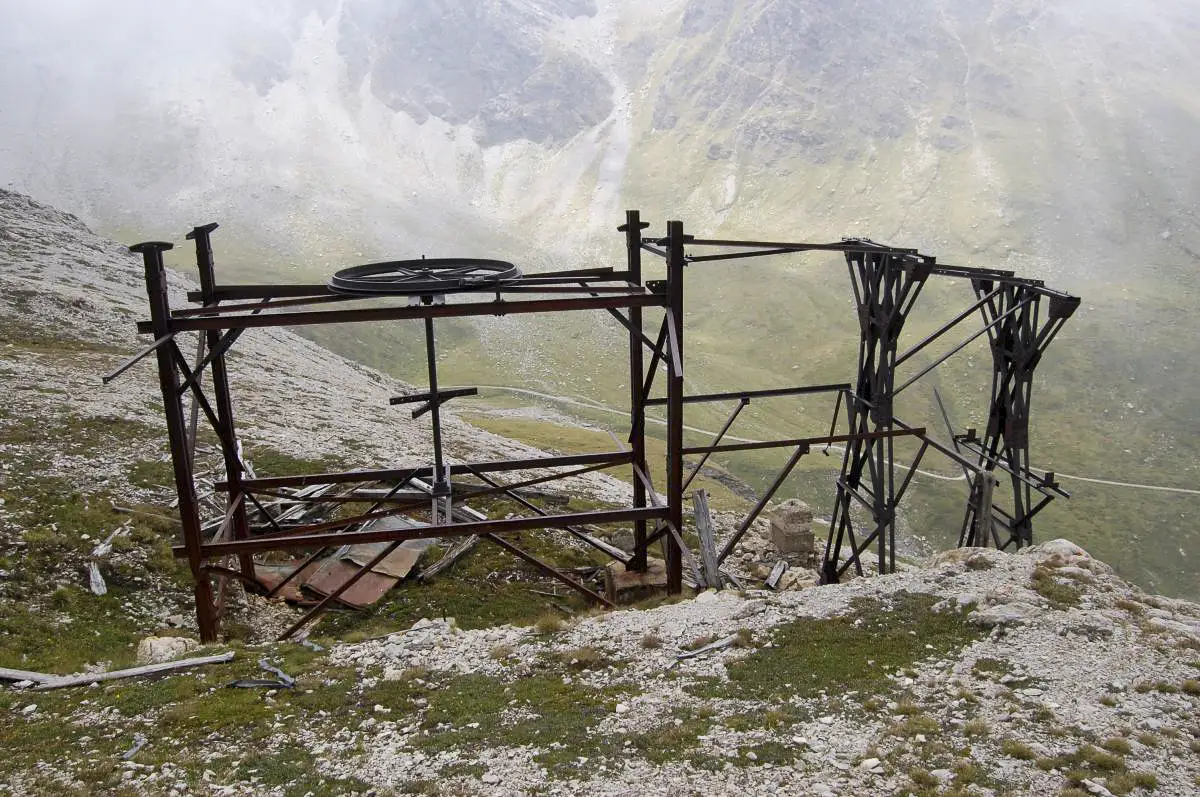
pixel 708 543
pixel 57 682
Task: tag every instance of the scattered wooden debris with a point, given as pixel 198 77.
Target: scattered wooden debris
pixel 777 572
pixel 131 511
pixel 21 676
pixel 456 552
pixel 139 741
pixel 732 578
pixel 359 576
pixel 708 543
pixel 95 580
pixel 711 647
pixel 43 681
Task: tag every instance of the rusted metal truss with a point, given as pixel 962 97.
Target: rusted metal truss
pixel 886 283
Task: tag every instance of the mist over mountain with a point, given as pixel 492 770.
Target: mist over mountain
pixel 1064 129
pixel 1058 139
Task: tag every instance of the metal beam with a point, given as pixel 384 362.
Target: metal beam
pixel 800 390
pixel 300 541
pixel 368 314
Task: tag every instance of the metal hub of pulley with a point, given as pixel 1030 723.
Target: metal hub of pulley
pixel 422 277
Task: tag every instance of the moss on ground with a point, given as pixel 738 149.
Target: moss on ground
pixel 151 473
pixel 30 338
pixel 855 652
pixel 1087 762
pixel 268 461
pixel 68 433
pixel 187 712
pixel 49 620
pixel 1060 593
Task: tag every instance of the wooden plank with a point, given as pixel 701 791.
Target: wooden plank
pixel 777 572
pixel 7 674
pixel 697 578
pixel 456 552
pixel 708 542
pixel 712 647
pixel 602 545
pixel 133 672
pixel 733 579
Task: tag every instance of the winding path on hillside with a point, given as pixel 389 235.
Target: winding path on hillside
pixel 597 406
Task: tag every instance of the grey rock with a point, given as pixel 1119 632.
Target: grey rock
pixel 154 650
pixel 1006 614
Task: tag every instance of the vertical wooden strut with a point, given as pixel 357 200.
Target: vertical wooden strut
pixel 223 399
pixel 632 228
pixel 1018 336
pixel 168 377
pixel 886 285
pixel 675 264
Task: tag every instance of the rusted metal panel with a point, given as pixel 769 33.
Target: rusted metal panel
pixel 270 576
pixel 366 591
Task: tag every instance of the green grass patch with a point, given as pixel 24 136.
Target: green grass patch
pixel 474 711
pixel 670 742
pixel 60 629
pixel 293 768
pixel 915 724
pixel 853 652
pixel 268 461
pixel 1060 595
pixel 485 588
pixel 37 340
pixel 1016 749
pixel 1088 762
pixel 149 473
pixel 986 666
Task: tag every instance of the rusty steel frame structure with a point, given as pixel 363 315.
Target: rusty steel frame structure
pixel 886 284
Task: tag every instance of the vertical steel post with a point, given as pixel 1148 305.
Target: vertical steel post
pixel 441 481
pixel 168 378
pixel 632 228
pixel 222 396
pixel 675 264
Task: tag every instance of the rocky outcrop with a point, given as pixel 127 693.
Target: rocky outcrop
pixel 464 63
pixel 1050 658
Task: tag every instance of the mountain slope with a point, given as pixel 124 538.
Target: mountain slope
pixel 977 671
pixel 1052 138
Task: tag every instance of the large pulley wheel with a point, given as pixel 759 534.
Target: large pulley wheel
pixel 422 277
